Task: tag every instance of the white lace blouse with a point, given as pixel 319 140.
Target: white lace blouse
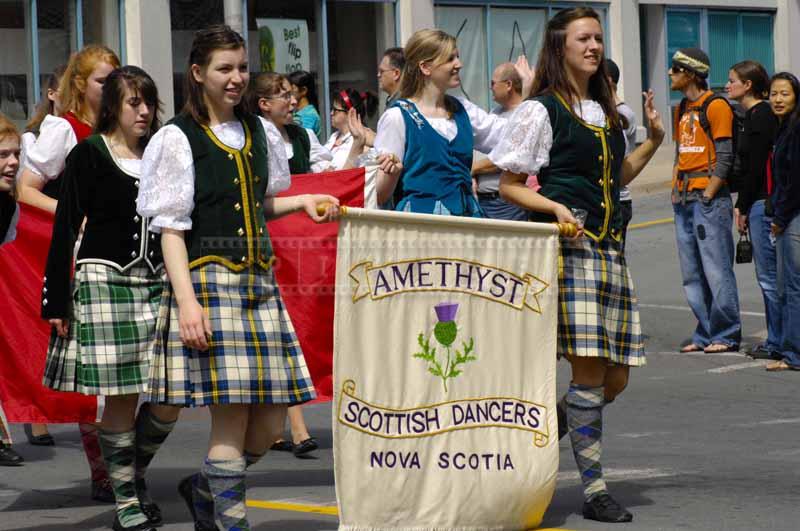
pixel 487 129
pixel 47 156
pixel 340 152
pixel 528 137
pixel 166 190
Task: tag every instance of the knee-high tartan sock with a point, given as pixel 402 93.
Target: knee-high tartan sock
pixel 226 481
pixel 119 452
pixel 91 447
pixel 201 493
pixel 150 434
pixel 585 420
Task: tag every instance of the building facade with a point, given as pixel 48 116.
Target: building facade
pixel 341 41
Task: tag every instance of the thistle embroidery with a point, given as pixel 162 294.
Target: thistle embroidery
pixel 412 112
pixel 445 333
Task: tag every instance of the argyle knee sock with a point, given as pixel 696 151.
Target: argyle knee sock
pixel 91 447
pixel 226 480
pixel 202 499
pixel 585 420
pixel 150 434
pixel 119 452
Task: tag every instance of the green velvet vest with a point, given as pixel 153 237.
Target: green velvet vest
pixel 228 225
pixel 301 145
pixel 585 169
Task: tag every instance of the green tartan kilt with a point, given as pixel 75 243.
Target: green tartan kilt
pixel 112 330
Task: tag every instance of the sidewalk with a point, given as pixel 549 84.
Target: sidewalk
pixel 657 175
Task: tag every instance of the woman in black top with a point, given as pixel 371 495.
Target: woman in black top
pixel 748 83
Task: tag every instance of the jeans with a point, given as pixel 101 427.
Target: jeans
pixel 766 262
pixel 705 250
pixel 498 208
pixel 788 246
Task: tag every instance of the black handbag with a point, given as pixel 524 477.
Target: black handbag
pixel 744 249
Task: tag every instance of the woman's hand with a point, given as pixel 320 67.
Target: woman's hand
pixel 741 221
pixel 389 164
pixel 777 230
pixel 322 208
pixel 61 326
pixel 194 325
pixel 527 74
pixel 655 126
pixel 357 128
pixel 564 215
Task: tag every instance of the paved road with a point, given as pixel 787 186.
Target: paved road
pixel 697 442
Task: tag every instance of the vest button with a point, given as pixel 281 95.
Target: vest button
pixel 600 182
pixel 44 302
pixel 258 179
pixel 597 135
pixel 240 231
pixel 261 230
pixel 250 154
pixel 244 259
pixel 258 204
pixel 236 181
pixel 602 204
pixel 136 219
pixel 133 254
pixel 237 207
pixel 44 290
pixel 136 184
pixel 135 237
pixel 151 254
pixel 600 157
pixel 230 156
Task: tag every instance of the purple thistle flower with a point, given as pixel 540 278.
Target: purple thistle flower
pixel 446 311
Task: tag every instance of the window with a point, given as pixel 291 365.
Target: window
pixel 15 97
pixel 490 33
pixel 727 36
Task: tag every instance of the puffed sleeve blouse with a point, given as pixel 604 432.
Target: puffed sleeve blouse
pixel 166 191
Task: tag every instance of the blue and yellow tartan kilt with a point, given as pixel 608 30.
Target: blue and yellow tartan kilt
pixel 111 335
pixel 598 313
pixel 254 356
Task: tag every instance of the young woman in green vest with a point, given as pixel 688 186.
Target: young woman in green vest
pixel 114 296
pixel 571 135
pixel 270 96
pixel 225 340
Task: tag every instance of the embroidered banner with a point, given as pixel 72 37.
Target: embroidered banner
pixel 444 372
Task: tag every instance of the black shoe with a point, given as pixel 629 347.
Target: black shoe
pixel 561 414
pixel 603 508
pixel 282 446
pixel 185 491
pixel 38 440
pixel 309 445
pixel 144 526
pixel 761 352
pixel 153 513
pixel 102 491
pixel 8 457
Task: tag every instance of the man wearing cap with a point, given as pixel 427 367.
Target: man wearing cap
pixel 702 204
pixel 624 110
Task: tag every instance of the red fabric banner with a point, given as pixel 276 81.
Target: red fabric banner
pixel 306 268
pixel 24 335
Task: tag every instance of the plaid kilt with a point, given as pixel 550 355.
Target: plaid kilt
pixel 254 356
pixel 598 313
pixel 111 335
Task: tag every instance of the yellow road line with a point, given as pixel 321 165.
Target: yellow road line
pixel 645 224
pixel 324 509
pixel 294 507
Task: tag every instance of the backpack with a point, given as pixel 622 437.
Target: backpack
pixel 735 176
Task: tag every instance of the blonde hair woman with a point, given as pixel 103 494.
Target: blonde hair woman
pixel 427 137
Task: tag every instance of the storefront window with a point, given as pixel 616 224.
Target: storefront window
pixel 186 17
pixel 15 95
pixel 101 23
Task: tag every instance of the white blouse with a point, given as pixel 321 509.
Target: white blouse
pixel 340 152
pixel 47 156
pixel 166 188
pixel 487 129
pixel 528 137
pixel 320 157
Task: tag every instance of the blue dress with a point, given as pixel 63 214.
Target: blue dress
pixel 436 176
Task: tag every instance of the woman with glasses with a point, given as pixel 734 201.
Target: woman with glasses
pixel 348 111
pixel 271 98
